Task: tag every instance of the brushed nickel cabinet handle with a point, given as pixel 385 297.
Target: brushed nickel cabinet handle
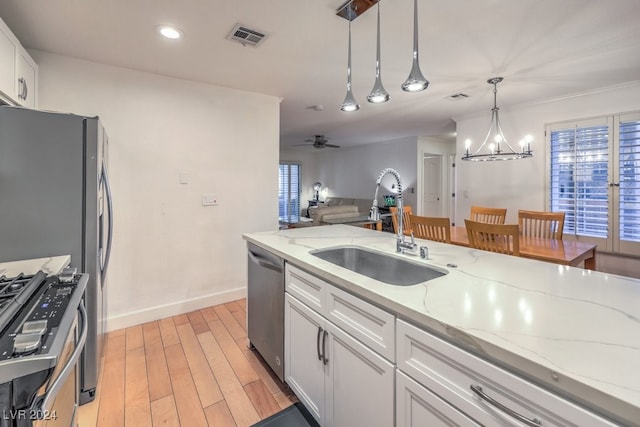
pixel 320 355
pixel 530 422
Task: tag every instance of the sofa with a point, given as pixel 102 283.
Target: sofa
pixel 338 208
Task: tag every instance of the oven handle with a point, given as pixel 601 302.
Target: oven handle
pixel 43 403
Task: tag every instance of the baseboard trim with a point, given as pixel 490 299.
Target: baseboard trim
pixel 161 311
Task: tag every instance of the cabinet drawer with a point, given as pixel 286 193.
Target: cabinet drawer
pixel 369 324
pixel 306 287
pixel 416 406
pixel 450 372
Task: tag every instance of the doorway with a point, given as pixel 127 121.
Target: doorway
pixel 432 185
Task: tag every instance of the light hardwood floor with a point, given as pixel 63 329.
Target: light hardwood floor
pixel 188 370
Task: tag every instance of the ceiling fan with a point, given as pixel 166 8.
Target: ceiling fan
pixel 320 141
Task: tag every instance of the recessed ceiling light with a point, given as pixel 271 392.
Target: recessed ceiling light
pixel 170 32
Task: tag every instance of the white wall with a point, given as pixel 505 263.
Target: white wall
pixel 520 184
pixel 352 172
pixel 170 254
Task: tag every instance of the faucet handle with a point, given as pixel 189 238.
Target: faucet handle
pixel 424 252
pixel 413 240
pixel 374 213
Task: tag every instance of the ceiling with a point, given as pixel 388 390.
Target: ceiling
pixel 543 48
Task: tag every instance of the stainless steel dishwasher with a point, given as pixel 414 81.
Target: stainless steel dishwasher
pixel 265 306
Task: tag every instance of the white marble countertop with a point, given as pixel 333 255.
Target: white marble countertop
pixel 51 265
pixel 575 331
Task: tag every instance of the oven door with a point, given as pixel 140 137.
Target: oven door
pixel 57 401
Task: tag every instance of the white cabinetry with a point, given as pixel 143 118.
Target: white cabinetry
pixel 341 381
pixel 18 71
pixel 26 81
pixel 482 391
pixel 416 406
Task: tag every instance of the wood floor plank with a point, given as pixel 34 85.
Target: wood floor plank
pixel 241 366
pixel 263 370
pixel 164 412
pixel 185 393
pixel 218 415
pixel 262 399
pixel 137 409
pixel 209 314
pixel 134 337
pixel 118 332
pixel 230 322
pixel 236 398
pixel 151 333
pixel 242 303
pixel 285 399
pixel 180 319
pixel 241 318
pixel 232 306
pixel 111 410
pixel 205 382
pixel 168 332
pixel 197 321
pixel 157 370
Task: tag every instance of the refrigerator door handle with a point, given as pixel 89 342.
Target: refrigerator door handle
pixel 105 180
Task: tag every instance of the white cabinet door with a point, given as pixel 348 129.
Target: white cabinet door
pixel 360 388
pixel 8 46
pixel 304 368
pixel 418 407
pixel 26 79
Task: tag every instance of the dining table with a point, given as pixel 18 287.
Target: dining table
pixel 565 252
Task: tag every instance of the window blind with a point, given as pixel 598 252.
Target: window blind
pixel 289 192
pixel 579 178
pixel 629 181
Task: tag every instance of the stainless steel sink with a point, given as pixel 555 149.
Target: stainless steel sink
pixel 386 268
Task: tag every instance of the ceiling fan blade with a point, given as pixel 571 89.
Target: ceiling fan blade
pixel 331 145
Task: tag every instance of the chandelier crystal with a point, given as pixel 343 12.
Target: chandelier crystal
pixel 495 145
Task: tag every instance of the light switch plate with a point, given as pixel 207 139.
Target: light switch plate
pixel 184 177
pixel 209 200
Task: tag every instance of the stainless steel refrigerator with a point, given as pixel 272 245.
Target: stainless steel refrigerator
pixel 55 200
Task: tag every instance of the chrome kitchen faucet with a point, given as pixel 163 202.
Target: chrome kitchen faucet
pixel 374 213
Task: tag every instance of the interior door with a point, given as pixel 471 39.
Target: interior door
pixel 432 185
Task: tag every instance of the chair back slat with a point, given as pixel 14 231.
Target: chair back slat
pixel 431 228
pixel 488 215
pixel 547 225
pixel 501 238
pixel 406 219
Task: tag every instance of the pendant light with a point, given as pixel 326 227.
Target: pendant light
pixel 349 103
pixel 416 82
pixel 495 146
pixel 378 95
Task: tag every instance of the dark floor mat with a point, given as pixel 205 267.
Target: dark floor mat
pixel 295 415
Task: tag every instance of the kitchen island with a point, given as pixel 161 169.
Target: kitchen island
pixel 574 332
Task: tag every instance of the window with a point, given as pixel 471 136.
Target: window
pixel 289 192
pixel 594 177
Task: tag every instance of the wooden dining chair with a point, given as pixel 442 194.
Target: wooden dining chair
pixel 488 215
pixel 501 238
pixel 547 225
pixel 431 228
pixel 406 219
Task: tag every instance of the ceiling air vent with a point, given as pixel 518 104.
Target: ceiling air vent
pixel 457 96
pixel 246 36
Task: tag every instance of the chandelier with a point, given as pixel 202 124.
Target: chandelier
pixel 495 145
pixel 416 81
